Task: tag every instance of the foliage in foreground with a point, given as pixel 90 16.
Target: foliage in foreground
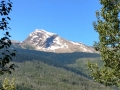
pixel 5 42
pixel 108 27
pixel 8 85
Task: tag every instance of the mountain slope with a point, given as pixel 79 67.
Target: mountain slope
pixel 37 75
pixel 51 42
pixel 38 70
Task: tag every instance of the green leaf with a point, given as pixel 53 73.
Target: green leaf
pixel 8 18
pixel 7 33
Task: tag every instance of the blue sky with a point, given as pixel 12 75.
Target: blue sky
pixel 70 19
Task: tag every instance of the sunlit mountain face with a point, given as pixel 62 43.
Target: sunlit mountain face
pixel 50 42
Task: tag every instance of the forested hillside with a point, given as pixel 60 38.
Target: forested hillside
pixel 35 70
pixel 37 75
pixel 54 59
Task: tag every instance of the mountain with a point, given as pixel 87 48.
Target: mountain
pixel 51 42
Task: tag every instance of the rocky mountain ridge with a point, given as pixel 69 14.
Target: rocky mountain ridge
pixel 51 42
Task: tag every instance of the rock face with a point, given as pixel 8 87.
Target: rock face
pixel 51 42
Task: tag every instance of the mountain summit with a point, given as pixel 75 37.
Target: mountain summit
pixel 51 42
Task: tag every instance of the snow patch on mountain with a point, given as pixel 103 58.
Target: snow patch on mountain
pixel 43 31
pixel 57 41
pixel 76 43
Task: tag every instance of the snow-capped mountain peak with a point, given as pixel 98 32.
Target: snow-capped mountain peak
pixel 42 31
pixel 50 42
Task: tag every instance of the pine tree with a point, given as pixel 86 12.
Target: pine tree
pixel 108 27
